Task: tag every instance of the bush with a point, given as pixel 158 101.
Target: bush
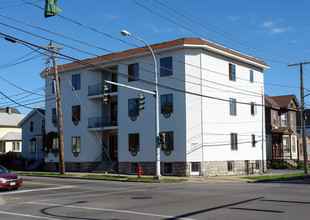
pixel 279 165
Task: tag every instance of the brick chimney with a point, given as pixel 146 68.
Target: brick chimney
pixel 8 110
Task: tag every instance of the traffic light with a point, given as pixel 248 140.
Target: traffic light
pixel 51 8
pixel 106 95
pixel 162 138
pixel 141 101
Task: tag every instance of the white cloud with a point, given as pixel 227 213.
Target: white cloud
pixel 274 31
pixel 268 24
pixel 109 17
pixel 155 29
pixel 233 18
pixel 293 41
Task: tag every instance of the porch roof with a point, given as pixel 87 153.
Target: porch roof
pixel 282 130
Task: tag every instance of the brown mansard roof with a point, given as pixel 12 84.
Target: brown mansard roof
pixel 168 44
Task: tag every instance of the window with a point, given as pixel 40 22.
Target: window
pixel 232 72
pixel 294 144
pixel 283 120
pixel 133 72
pixel 134 168
pixel 168 146
pixel 76 146
pixel 76 82
pixel 168 168
pixel 55 146
pixel 133 142
pixel 32 146
pixel 54 118
pixel 195 167
pixel 76 113
pixel 251 76
pixel 286 147
pixel 133 107
pixel 232 106
pixel 230 166
pixel 43 126
pixel 234 141
pixel 253 140
pixel 16 146
pixel 257 165
pixel 292 120
pixel 166 66
pixel 275 119
pixel 253 108
pixel 54 85
pixel 31 126
pixel 300 148
pixel 166 104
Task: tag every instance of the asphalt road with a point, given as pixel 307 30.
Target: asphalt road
pixel 56 198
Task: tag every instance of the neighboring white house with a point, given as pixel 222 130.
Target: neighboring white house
pixel 10 132
pixel 210 108
pixel 33 126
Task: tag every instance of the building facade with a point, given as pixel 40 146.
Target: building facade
pixel 10 132
pixel 281 127
pixel 210 105
pixel 33 129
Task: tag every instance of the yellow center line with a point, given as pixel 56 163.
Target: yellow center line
pixel 48 184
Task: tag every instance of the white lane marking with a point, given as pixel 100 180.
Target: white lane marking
pixel 34 190
pixel 111 210
pixel 25 215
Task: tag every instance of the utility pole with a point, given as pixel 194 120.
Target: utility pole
pixel 303 122
pixel 59 113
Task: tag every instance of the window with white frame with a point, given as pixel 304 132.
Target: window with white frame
pixel 232 106
pixel 166 66
pixel 232 72
pixel 253 140
pixel 230 166
pixel 253 108
pixel 76 82
pixel 234 141
pixel 195 167
pixel 292 119
pixel 251 76
pixel 275 119
pixel 283 119
pixel 16 146
pixel 294 144
pixel 76 146
pixel 286 147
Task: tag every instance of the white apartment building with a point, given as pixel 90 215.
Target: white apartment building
pixel 210 100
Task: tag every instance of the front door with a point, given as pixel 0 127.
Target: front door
pixel 113 148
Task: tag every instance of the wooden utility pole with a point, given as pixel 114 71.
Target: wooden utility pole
pixel 59 113
pixel 302 114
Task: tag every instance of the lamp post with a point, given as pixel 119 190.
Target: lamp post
pixel 158 175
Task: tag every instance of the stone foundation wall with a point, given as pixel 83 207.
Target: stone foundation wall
pixel 210 168
pixel 72 166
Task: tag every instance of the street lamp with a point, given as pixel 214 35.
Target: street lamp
pixel 158 175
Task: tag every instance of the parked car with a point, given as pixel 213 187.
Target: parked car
pixel 9 180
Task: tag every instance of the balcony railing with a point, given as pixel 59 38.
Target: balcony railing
pixel 98 89
pixel 104 121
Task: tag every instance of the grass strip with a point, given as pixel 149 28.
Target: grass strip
pixel 42 174
pixel 276 177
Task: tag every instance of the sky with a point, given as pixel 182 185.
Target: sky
pixel 276 32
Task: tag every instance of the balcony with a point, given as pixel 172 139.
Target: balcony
pixel 100 122
pixel 97 89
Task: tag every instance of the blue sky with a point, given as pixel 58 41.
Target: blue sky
pixel 276 32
